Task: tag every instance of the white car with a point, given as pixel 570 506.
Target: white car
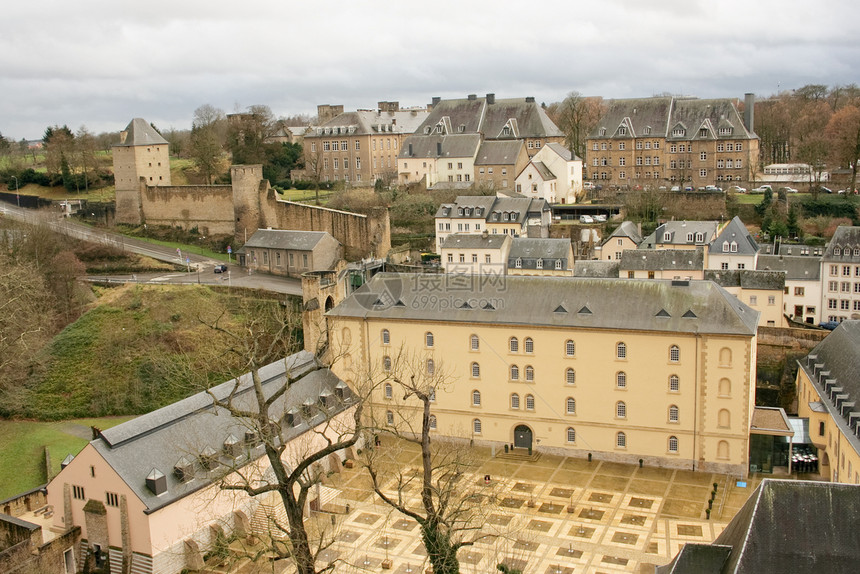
pixel 599 218
pixel 586 219
pixel 790 190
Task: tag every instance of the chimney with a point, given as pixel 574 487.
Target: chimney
pixel 491 99
pixel 530 99
pixel 435 101
pixel 122 137
pixel 438 148
pixel 749 112
pixel 410 150
pixel 472 97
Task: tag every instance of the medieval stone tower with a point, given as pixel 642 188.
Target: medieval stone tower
pixel 140 154
pixel 247 208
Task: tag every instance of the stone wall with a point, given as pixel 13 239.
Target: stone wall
pixel 24 502
pixel 247 205
pixel 22 550
pixel 778 351
pixel 209 208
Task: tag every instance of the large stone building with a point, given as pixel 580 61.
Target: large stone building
pixel 141 155
pixel 655 371
pixel 840 275
pixel 508 120
pixel 290 253
pixel 828 388
pixel 359 147
pixel 667 141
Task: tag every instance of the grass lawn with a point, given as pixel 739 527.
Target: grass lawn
pixel 22 444
pixel 184 247
pixel 306 195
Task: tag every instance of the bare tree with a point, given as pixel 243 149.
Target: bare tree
pixel 313 162
pixel 843 135
pixel 207 140
pixel 294 479
pixel 576 116
pixel 450 514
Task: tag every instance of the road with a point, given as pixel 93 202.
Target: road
pixel 200 268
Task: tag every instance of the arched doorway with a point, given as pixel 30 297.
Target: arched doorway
pixel 522 437
pixel 329 304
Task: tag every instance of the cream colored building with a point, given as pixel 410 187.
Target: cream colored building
pixel 762 290
pixel 541 257
pixel 683 264
pixel 147 491
pixel 626 236
pixel 473 254
pixel 828 385
pixel 554 174
pixel 622 370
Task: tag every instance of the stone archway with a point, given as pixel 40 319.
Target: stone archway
pixel 523 437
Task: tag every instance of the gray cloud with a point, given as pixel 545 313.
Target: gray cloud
pixel 98 63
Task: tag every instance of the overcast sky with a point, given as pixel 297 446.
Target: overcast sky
pixel 99 63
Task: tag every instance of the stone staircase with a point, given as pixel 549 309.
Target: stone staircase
pixel 519 454
pixel 262 520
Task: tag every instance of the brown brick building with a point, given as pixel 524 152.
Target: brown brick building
pixel 359 147
pixel 673 141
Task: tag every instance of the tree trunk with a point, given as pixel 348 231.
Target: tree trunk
pixel 441 552
pixel 301 548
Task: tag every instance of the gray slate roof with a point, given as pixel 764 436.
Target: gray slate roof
pixel 563 302
pixel 838 355
pixel 596 269
pixel 286 239
pixel 747 278
pixel 453 146
pixel 532 248
pixel 795 526
pixel 735 231
pixel 846 239
pixel 140 132
pixel 665 259
pixel 474 241
pixel 678 231
pixel 796 268
pixel 499 152
pixel 493 208
pixel 662 114
pixel 475 115
pixel 364 122
pixel 543 171
pixel 626 229
pixel 562 151
pixel 158 440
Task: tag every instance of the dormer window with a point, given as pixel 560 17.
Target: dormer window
pixel 622 131
pixel 506 131
pixel 427 130
pixel 837 251
pixel 518 263
pixel 725 131
pixel 689 238
pixel 647 130
pixel 700 237
pixel 603 131
pixel 679 132
pixel 734 247
pixel 468 211
pixel 725 246
pixel 505 217
pixel 703 133
pixel 540 263
pixel 461 128
pixel 459 211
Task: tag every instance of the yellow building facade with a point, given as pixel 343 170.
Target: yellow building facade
pixel 827 386
pixel 625 370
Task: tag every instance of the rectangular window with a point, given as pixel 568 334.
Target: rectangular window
pixel 844 304
pixel 799 291
pixel 78 492
pixel 357 145
pixel 305 259
pixel 753 300
pixel 771 300
pixel 112 498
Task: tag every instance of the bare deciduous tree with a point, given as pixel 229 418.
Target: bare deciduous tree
pixel 450 515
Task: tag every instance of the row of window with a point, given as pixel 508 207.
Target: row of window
pixel 846 269
pixel 529 346
pixel 843 304
pixel 111 498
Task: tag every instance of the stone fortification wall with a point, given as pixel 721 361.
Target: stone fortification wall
pixel 361 235
pixel 250 204
pixel 207 207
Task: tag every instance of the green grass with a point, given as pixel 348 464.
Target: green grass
pixel 22 445
pixel 306 195
pixel 183 246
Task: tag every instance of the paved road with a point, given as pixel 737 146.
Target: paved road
pixel 200 268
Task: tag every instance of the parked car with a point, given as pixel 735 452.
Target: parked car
pixel 821 189
pixel 789 189
pixel 737 189
pixel 587 185
pixel 586 219
pixel 221 268
pixel 599 218
pixel 713 188
pixel 688 188
pixel 676 188
pixel 762 189
pixel 829 325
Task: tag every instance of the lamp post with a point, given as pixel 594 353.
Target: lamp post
pixel 17 197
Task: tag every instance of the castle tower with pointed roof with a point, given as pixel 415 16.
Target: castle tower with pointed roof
pixel 140 154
